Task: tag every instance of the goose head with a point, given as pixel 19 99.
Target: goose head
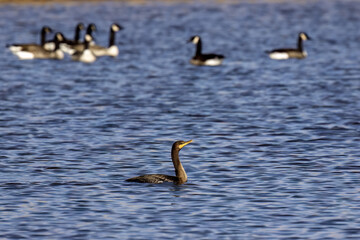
pixel 116 27
pixel 304 36
pixel 194 39
pixel 91 28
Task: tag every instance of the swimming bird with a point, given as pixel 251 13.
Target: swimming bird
pixel 201 59
pixel 85 55
pixel 78 28
pixel 112 50
pixel 180 173
pixel 50 45
pixel 42 53
pixel 73 47
pixel 90 29
pixel 22 50
pixel 286 53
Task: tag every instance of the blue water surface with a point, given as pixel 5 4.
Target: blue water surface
pixel 276 143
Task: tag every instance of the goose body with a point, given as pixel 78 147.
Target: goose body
pixel 286 53
pixel 112 50
pixel 26 51
pixel 41 52
pixel 201 59
pixel 180 173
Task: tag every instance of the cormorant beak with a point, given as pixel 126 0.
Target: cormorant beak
pixel 184 144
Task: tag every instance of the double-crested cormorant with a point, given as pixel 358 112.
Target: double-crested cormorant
pixel 286 53
pixel 201 59
pixel 180 177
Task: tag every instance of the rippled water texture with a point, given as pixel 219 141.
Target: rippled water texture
pixel 276 143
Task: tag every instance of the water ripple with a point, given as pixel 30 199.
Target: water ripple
pixel 276 143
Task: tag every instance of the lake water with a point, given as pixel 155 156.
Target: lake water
pixel 276 143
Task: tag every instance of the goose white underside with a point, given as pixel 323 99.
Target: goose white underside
pixel 50 46
pixel 99 51
pixel 59 54
pixel 113 51
pixel 67 49
pixel 213 62
pixel 209 62
pixel 289 54
pixel 15 49
pixel 279 55
pixel 23 55
pixel 86 56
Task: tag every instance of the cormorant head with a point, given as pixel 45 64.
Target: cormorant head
pixel 304 36
pixel 194 39
pixel 116 27
pixel 180 144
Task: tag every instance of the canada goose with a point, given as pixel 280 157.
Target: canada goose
pixel 78 28
pixel 204 59
pixel 112 50
pixel 286 53
pixel 42 53
pixel 85 55
pixel 79 46
pixel 90 29
pixel 50 45
pixel 22 50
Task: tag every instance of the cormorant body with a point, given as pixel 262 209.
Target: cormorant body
pixel 180 173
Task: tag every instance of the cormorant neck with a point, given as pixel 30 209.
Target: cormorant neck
pixel 198 48
pixel 179 169
pixel 300 44
pixel 112 38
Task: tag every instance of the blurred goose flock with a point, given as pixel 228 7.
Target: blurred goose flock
pixel 85 51
pixel 98 98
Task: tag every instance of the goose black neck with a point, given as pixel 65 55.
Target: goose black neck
pixel 89 31
pixel 57 44
pixel 43 36
pixel 300 44
pixel 86 44
pixel 112 38
pixel 198 48
pixel 77 34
